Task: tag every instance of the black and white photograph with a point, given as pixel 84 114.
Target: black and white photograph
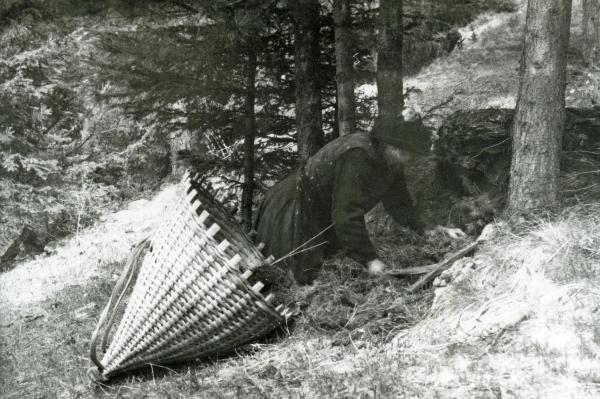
pixel 300 199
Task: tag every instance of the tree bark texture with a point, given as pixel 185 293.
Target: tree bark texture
pixel 249 136
pixel 591 31
pixel 540 113
pixel 344 74
pixel 307 64
pixel 390 100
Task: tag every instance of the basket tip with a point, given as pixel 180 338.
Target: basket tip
pixel 246 275
pixel 257 287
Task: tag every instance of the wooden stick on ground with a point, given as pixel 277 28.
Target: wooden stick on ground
pixel 436 269
pixel 441 266
pixel 411 271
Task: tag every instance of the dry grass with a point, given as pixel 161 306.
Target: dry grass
pixel 526 305
pixel 44 350
pixel 344 311
pixel 75 260
pixel 484 73
pixel 519 320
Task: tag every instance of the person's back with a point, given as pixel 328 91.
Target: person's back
pixel 299 207
pixel 322 169
pixel 322 206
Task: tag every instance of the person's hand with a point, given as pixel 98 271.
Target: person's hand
pixel 453 233
pixel 377 267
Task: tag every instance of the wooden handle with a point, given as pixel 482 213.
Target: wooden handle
pixel 411 271
pixel 438 268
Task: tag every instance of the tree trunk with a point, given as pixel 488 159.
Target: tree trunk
pixel 346 106
pixel 591 31
pixel 308 93
pixel 249 135
pixel 390 100
pixel 477 145
pixel 540 114
pixel 336 121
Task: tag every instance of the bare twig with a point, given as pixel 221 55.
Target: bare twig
pixel 72 151
pixel 491 146
pixel 586 173
pixel 411 271
pixel 438 268
pixel 487 233
pixel 438 106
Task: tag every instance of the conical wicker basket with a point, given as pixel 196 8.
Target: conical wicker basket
pixel 191 297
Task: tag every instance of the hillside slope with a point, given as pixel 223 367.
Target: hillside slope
pixel 76 260
pixel 518 320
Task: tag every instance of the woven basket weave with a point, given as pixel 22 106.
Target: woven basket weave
pixel 191 297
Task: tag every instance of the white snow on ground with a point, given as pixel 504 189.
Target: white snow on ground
pixel 77 259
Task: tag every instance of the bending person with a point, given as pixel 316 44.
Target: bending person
pixel 320 209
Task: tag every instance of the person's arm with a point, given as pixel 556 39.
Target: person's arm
pixel 399 204
pixel 349 203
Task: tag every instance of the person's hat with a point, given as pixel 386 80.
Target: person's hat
pixel 407 135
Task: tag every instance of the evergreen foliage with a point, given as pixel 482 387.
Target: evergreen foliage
pixel 99 100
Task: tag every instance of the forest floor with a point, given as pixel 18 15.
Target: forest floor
pixel 519 319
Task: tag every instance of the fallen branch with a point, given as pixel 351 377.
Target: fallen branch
pixel 411 271
pixel 437 268
pixel 443 265
pixel 438 106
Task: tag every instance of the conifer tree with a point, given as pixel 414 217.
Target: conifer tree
pixel 540 114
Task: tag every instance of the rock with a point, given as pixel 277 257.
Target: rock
pixel 476 144
pixel 28 242
pixel 465 182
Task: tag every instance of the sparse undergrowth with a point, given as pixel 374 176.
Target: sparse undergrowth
pixel 344 310
pixel 518 320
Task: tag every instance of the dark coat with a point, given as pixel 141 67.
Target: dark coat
pixel 331 195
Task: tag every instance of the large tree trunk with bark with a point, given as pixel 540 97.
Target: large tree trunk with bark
pixel 540 113
pixel 344 73
pixel 390 100
pixel 308 93
pixel 249 136
pixel 591 31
